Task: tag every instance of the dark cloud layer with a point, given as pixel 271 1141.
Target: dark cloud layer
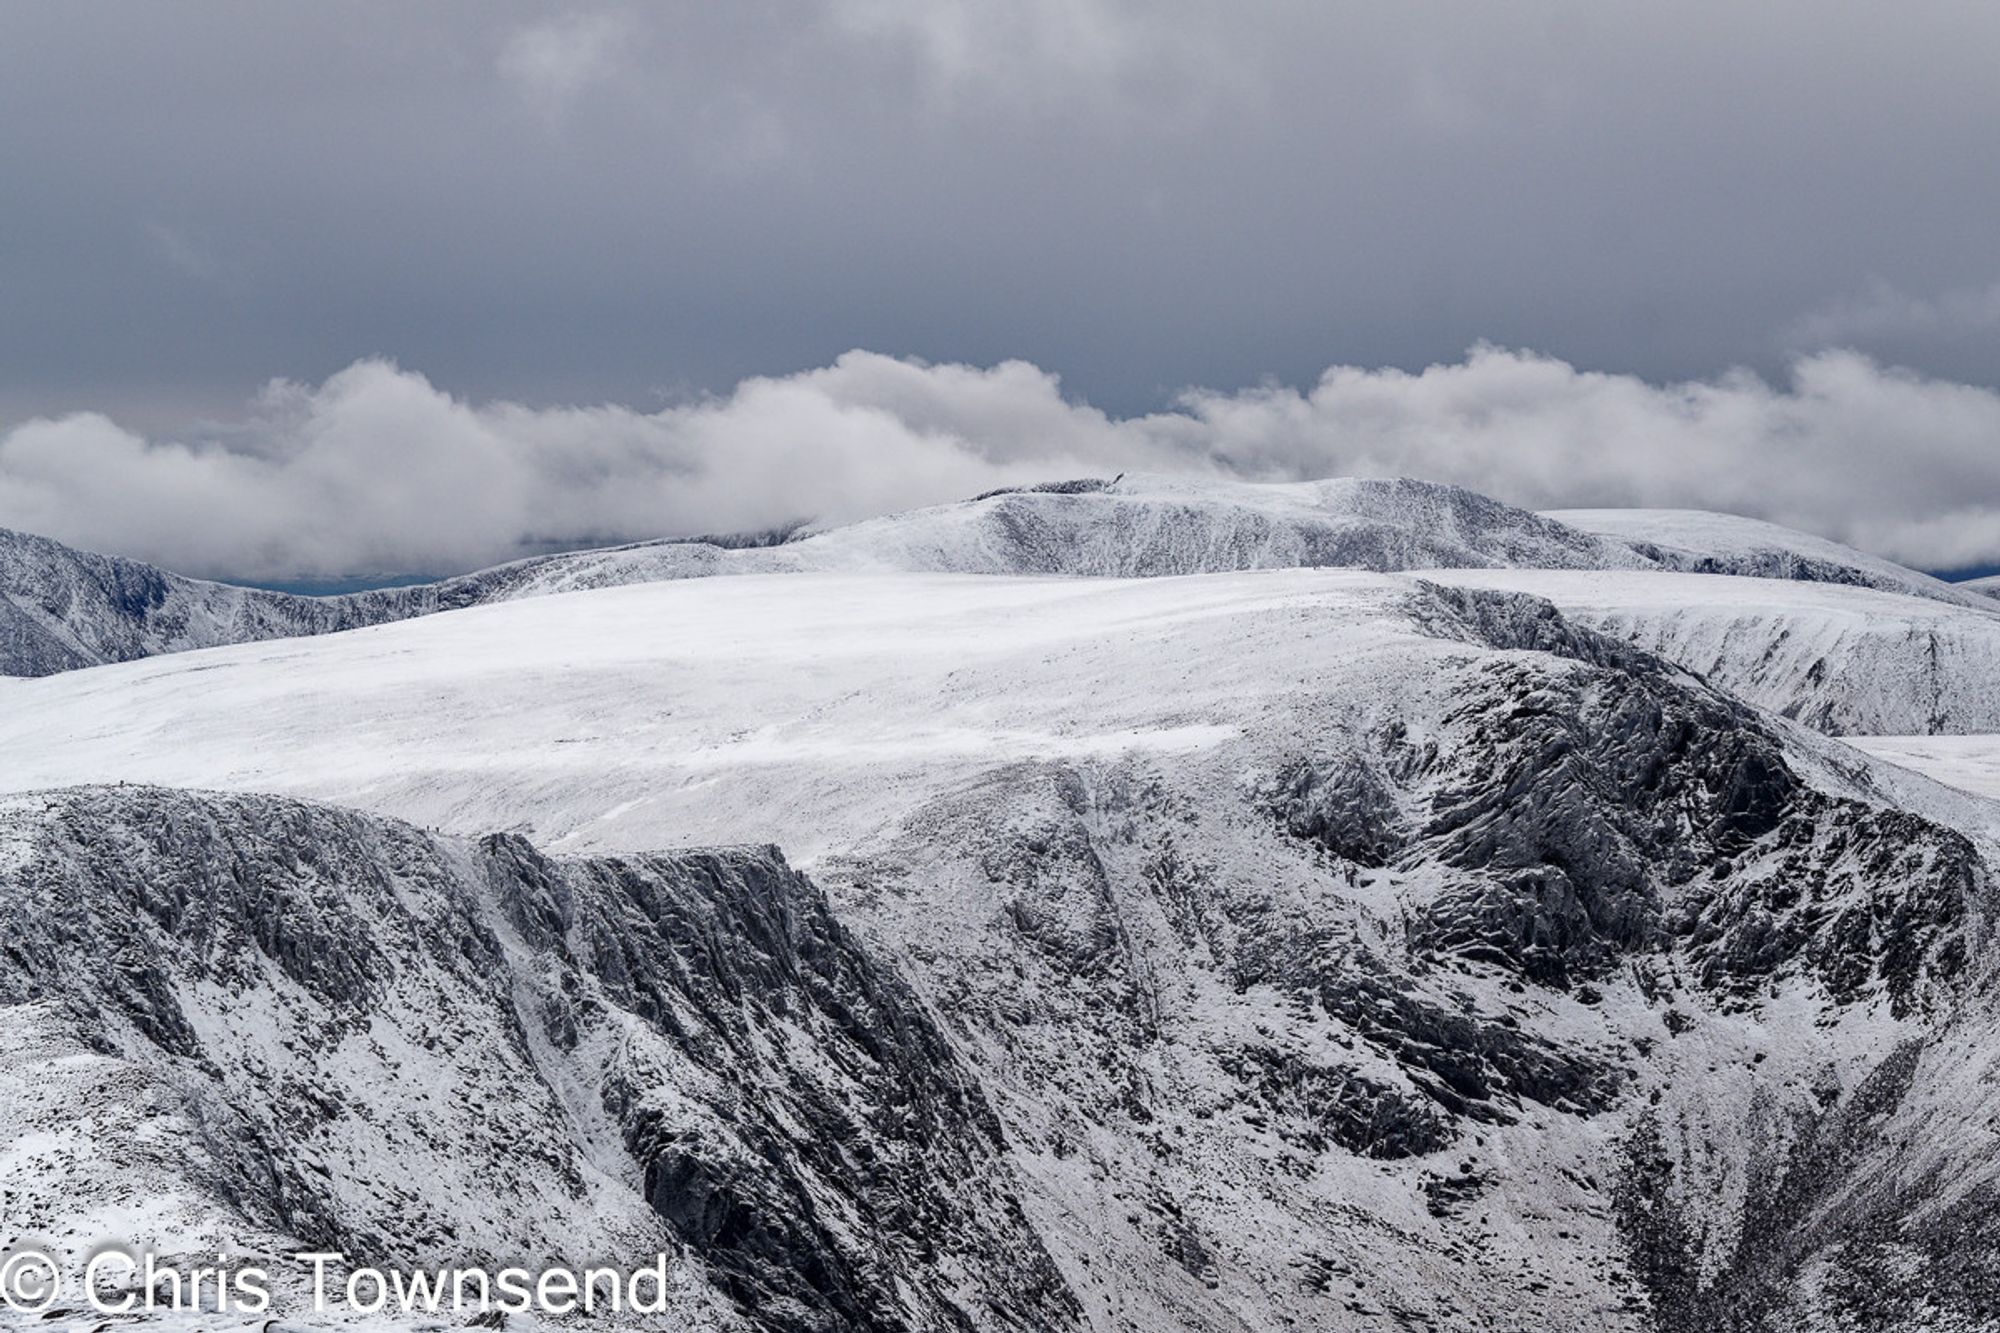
pixel 628 202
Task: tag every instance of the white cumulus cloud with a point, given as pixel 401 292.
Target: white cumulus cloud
pixel 377 470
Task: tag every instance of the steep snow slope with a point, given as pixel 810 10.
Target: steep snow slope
pixel 1986 587
pixel 1700 541
pixel 1839 659
pixel 295 1028
pixel 1336 949
pixel 61 609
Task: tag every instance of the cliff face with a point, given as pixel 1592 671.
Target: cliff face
pixel 304 1025
pixel 1380 1023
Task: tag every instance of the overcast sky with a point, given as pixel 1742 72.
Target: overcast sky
pixel 525 209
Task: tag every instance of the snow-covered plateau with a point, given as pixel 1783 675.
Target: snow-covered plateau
pixel 1082 907
pixel 1970 763
pixel 61 609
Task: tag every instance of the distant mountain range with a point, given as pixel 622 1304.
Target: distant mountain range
pixel 61 609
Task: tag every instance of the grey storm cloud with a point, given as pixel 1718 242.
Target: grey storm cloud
pixel 686 209
pixel 633 202
pixel 377 469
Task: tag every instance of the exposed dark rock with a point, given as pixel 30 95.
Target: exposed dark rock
pixel 788 1108
pixel 1320 1106
pixel 1343 805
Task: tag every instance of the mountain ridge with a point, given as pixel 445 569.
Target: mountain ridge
pixel 62 609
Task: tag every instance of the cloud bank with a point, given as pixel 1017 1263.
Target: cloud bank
pixel 378 471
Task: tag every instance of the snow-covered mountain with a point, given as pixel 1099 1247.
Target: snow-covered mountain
pixel 1699 541
pixel 1333 949
pixel 1840 659
pixel 61 609
pixel 1149 526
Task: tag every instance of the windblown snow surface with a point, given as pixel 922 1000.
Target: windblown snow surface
pixel 1970 763
pixel 62 609
pixel 1295 948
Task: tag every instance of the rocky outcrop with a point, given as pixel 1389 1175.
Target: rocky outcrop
pixel 413 1049
pixel 1511 921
